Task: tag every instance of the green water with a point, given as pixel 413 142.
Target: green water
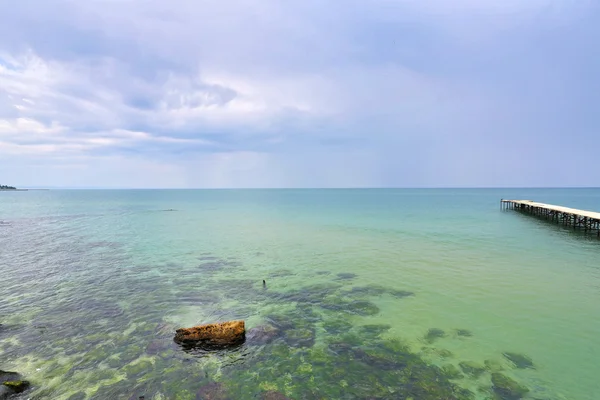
pixel 95 282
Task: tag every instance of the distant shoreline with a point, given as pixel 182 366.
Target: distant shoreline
pixel 18 190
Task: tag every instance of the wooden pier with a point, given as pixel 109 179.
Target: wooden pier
pixel 589 221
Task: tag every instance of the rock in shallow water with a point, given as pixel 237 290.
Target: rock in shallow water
pixel 464 333
pixel 472 368
pixel 5 392
pixel 493 365
pixel 156 346
pixel 11 383
pixel 363 308
pixel 6 376
pixel 17 386
pixel 262 335
pixel 506 388
pixel 345 275
pixel 433 334
pixel 300 337
pixel 519 360
pixel 223 333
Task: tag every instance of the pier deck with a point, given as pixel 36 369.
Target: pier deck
pixel 586 220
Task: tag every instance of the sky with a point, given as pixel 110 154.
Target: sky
pixel 299 93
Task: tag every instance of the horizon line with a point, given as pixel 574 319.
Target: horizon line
pixel 308 188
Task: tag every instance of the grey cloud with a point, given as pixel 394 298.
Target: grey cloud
pixel 414 92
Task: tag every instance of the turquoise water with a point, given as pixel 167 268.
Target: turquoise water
pixel 94 283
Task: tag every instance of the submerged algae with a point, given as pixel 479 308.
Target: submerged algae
pixel 17 386
pixel 297 359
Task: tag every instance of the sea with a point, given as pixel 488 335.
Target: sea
pixel 367 294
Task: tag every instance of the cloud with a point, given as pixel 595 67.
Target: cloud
pixel 249 93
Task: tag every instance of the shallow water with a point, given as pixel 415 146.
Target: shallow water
pixel 368 293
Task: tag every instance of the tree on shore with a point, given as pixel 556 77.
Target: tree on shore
pixel 6 187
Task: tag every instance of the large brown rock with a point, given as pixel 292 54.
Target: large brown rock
pixel 221 333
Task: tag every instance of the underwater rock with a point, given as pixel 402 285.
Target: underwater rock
pixel 370 290
pixel 9 388
pixel 362 307
pixel 472 368
pixel 507 388
pixel 336 327
pixel 375 360
pixel 519 360
pixel 273 395
pixel 433 334
pixel 400 293
pixel 114 362
pixel 333 303
pixel 307 313
pixel 6 376
pixel 300 337
pixel 5 392
pixel 493 365
pixel 223 333
pixel 280 322
pixel 207 258
pixel 373 330
pixel 11 383
pixel 444 353
pixel 261 335
pixel 156 346
pixel 212 391
pixel 464 333
pixel 378 290
pixel 281 273
pixel 215 264
pixel 312 294
pixel 452 372
pixel 340 348
pixel 345 276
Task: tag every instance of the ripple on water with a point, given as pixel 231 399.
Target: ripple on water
pixel 110 335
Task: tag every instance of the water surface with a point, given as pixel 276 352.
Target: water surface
pixel 370 293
